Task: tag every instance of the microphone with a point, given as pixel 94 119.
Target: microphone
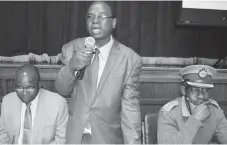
pixel 89 42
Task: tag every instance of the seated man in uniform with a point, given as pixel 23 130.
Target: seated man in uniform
pixel 194 118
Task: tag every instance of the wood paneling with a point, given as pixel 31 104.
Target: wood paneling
pixel 158 86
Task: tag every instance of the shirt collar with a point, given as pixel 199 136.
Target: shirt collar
pixel 105 50
pixel 185 111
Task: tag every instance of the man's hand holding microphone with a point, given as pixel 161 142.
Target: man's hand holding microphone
pixel 81 58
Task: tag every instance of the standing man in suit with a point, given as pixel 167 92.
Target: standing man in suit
pixel 193 118
pixel 104 105
pixel 32 115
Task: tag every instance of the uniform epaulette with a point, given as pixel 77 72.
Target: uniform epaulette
pixel 215 104
pixel 169 106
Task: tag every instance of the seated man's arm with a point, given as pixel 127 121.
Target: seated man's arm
pixel 61 124
pixel 221 130
pixel 171 133
pixel 4 137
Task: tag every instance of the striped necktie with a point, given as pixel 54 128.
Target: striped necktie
pixel 94 69
pixel 27 125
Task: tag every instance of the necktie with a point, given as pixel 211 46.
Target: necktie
pixel 94 69
pixel 27 125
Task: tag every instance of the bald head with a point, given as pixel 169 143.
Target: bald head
pixel 28 71
pixel 27 83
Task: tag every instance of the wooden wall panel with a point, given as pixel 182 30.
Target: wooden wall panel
pixel 159 85
pixel 159 90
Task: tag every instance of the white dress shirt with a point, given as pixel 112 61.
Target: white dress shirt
pixel 33 111
pixel 103 55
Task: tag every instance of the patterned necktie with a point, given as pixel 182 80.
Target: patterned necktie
pixel 27 125
pixel 94 69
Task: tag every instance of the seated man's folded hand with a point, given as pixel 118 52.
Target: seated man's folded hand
pixel 4 138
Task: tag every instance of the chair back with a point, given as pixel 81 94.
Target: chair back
pixel 150 128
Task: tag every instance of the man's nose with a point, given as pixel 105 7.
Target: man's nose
pixel 95 20
pixel 24 91
pixel 200 94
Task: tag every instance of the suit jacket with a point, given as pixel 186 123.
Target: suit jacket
pixel 50 120
pixel 114 106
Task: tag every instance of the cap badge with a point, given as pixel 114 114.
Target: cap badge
pixel 202 73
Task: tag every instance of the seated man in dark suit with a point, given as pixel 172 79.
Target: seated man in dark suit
pixel 194 118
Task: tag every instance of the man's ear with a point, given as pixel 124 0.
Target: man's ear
pixel 40 84
pixel 183 90
pixel 114 22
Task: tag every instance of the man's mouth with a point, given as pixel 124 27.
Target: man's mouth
pixel 200 102
pixel 96 30
pixel 26 98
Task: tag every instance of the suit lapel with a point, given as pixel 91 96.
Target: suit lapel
pixel 90 86
pixel 109 65
pixel 17 119
pixel 39 115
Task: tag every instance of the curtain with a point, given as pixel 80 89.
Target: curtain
pixel 148 27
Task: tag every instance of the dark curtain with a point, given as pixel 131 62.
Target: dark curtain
pixel 148 27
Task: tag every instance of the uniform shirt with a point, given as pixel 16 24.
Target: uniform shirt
pixel 33 111
pixel 103 55
pixel 177 126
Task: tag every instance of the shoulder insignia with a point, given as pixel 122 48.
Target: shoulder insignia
pixel 215 104
pixel 169 106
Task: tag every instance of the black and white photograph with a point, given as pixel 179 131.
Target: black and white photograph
pixel 113 72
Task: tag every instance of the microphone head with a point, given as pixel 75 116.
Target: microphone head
pixel 90 42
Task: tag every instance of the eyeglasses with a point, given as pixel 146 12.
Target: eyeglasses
pixel 21 89
pixel 99 18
